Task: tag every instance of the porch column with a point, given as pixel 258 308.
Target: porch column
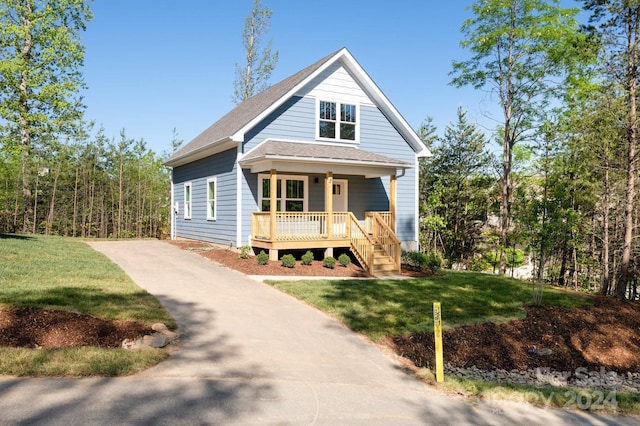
pixel 328 202
pixel 273 207
pixel 392 201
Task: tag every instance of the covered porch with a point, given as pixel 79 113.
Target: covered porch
pixel 371 238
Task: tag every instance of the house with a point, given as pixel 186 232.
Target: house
pixel 320 160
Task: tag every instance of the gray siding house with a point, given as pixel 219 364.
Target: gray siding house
pixel 321 159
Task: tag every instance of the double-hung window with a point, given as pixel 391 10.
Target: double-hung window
pixel 187 200
pixel 291 193
pixel 337 121
pixel 212 185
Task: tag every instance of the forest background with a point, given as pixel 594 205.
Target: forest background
pixel 558 194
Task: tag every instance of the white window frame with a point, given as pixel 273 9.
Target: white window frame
pixel 337 122
pixel 283 186
pixel 188 205
pixel 213 180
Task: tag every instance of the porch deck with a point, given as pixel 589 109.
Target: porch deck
pixel 370 242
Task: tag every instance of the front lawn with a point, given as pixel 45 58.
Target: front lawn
pixel 66 274
pixel 382 307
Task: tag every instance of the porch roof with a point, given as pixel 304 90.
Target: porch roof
pixel 314 157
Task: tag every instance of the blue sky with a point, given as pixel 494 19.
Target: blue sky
pixel 155 65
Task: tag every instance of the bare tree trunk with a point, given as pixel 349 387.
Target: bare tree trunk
pixel 630 190
pixel 605 283
pixel 52 205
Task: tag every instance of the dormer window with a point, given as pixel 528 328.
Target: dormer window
pixel 337 121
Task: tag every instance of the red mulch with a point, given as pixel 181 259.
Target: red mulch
pixel 604 335
pixel 45 328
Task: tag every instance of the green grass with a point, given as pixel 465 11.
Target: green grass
pixel 382 307
pixel 67 274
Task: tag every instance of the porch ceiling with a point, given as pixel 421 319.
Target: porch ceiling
pixel 315 157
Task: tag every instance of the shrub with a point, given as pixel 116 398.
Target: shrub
pixel 329 262
pixel 434 261
pixel 307 258
pixel 431 261
pixel 263 258
pixel 245 252
pixel 478 264
pixel 344 259
pixel 288 261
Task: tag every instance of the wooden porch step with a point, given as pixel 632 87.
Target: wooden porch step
pixel 383 265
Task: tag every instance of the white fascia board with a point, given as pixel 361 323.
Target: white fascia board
pixel 296 165
pixel 372 89
pixel 203 152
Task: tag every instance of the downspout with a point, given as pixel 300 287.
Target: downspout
pixel 239 200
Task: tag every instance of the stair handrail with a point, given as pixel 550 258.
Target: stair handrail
pixel 361 243
pixel 387 239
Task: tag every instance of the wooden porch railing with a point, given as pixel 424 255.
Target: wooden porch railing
pixel 310 226
pixel 368 220
pixel 299 226
pixel 361 243
pixel 386 238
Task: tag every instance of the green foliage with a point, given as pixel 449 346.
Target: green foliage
pixel 434 261
pixel 252 77
pixel 307 258
pixel 245 252
pixel 478 264
pixel 288 261
pixel 344 259
pixel 263 258
pixel 514 258
pixel 329 262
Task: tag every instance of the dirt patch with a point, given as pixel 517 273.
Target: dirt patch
pixel 45 328
pixel 601 336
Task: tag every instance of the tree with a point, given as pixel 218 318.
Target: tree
pixel 457 186
pixel 620 32
pixel 40 58
pixel 260 62
pixel 521 49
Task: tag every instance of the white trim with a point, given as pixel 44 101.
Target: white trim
pixel 417 201
pixel 337 121
pixel 188 208
pixel 284 178
pixel 239 182
pixel 214 180
pixel 172 210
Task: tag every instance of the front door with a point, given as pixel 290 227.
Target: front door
pixel 340 204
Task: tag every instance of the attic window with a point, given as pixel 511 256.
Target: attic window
pixel 336 121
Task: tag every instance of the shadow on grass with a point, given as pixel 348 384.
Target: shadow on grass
pixel 4 236
pixel 101 303
pixel 394 307
pixel 197 384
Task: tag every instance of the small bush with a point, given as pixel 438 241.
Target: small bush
pixel 329 262
pixel 417 259
pixel 263 258
pixel 344 259
pixel 307 258
pixel 478 264
pixel 434 261
pixel 245 252
pixel 288 261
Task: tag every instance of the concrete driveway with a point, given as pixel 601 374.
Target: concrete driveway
pixel 251 355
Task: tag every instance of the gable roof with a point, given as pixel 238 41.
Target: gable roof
pixel 229 131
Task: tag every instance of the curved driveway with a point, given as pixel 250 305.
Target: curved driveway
pixel 249 354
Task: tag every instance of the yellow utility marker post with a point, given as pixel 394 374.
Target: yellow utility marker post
pixel 437 328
